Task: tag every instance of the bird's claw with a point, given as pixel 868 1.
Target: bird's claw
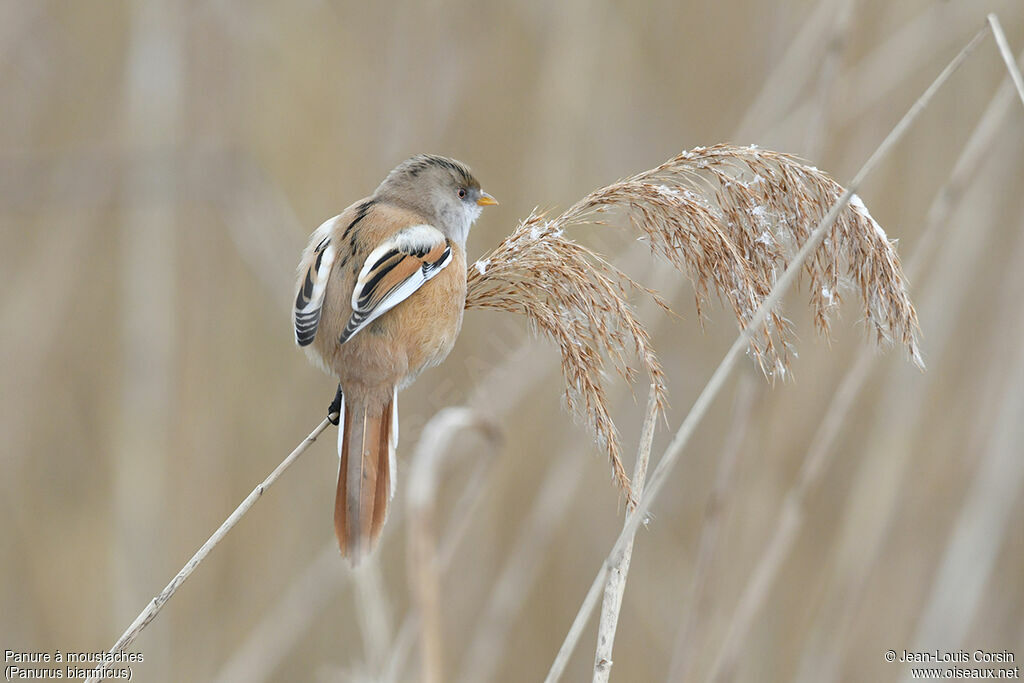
pixel 334 410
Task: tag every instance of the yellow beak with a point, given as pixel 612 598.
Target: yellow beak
pixel 486 200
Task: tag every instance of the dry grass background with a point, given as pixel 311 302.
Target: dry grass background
pixel 160 168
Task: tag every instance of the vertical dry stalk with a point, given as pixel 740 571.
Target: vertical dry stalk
pixel 424 570
pixel 758 319
pixel 615 588
pixel 156 604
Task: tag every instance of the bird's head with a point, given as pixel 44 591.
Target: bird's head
pixel 442 189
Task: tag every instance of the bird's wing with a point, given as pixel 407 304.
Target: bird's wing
pixel 310 299
pixel 393 271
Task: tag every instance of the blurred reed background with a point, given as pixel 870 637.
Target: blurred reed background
pixel 161 166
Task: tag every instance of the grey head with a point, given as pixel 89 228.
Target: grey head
pixel 442 189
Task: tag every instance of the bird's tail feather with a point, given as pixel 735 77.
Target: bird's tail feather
pixel 367 438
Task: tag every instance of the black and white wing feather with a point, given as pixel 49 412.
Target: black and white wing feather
pixel 310 299
pixel 393 271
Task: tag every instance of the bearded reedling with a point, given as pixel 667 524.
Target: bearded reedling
pixel 381 291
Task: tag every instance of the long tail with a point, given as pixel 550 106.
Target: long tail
pixel 367 437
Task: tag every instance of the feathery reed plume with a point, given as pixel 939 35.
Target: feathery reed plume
pixel 578 299
pixel 728 217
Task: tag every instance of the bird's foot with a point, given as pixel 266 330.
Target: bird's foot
pixel 334 410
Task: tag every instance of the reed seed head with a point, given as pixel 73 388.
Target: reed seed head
pixel 728 217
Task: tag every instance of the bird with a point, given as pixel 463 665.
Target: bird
pixel 379 298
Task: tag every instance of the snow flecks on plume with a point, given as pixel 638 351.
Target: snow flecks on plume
pixel 666 191
pixel 693 153
pixel 542 229
pixel 827 293
pixel 762 216
pixel 858 206
pixel 481 266
pixel 700 200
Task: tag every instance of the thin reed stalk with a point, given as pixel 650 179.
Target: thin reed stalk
pixel 718 378
pixel 154 606
pixel 1007 55
pixel 615 588
pixel 283 625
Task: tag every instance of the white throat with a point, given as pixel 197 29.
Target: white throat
pixel 460 220
pixel 472 212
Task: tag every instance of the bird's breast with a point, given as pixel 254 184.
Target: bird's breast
pixel 415 335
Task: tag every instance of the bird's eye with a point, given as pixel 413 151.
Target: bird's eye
pixel 462 193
